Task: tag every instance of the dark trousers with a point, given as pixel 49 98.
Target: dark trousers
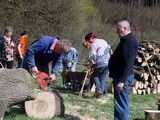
pixel 20 61
pixel 7 64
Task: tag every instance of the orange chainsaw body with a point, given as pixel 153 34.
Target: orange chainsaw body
pixel 42 79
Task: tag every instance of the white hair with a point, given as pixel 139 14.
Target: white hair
pixel 125 24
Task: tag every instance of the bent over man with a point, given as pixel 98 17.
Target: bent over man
pixel 43 51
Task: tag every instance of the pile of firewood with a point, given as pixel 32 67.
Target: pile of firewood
pixel 147 69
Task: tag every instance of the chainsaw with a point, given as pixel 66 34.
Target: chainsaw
pixel 42 79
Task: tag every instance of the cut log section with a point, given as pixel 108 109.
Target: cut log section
pixel 152 115
pixel 43 107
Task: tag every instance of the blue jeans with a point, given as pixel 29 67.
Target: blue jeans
pixel 99 77
pixel 121 99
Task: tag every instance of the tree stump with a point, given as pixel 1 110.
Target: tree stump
pixel 46 105
pixel 152 115
pixel 43 107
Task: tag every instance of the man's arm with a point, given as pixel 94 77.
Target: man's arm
pixel 56 64
pixel 34 48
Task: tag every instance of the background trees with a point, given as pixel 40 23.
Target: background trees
pixel 72 19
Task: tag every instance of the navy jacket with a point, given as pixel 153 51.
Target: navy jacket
pixel 39 53
pixel 121 61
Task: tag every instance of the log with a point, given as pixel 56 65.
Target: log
pixel 148 90
pixel 43 107
pixel 109 85
pixel 132 90
pixel 158 88
pixel 93 89
pixel 60 108
pixel 138 75
pixel 139 91
pixel 145 76
pixel 136 85
pixel 144 64
pixel 152 115
pixel 139 59
pixel 158 77
pixel 133 83
pixel 140 86
pixel 17 86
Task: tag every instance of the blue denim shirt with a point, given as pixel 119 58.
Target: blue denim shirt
pixel 71 56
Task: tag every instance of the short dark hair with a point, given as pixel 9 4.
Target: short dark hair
pixel 24 33
pixel 90 35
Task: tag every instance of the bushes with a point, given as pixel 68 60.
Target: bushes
pixel 70 19
pixel 144 20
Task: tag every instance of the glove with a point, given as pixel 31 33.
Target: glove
pixel 69 64
pixel 53 77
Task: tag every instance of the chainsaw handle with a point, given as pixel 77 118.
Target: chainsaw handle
pixel 33 74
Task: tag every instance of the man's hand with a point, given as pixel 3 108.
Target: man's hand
pixel 119 86
pixel 69 64
pixel 90 66
pixel 53 77
pixel 34 70
pixel 21 56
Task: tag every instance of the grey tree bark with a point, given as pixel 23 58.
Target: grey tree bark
pixel 16 86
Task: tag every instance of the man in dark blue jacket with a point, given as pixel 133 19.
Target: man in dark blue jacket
pixel 43 51
pixel 121 69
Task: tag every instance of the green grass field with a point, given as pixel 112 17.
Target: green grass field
pixel 89 108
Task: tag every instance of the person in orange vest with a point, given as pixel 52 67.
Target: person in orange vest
pixel 20 50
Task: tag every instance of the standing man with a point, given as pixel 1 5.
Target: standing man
pixel 121 69
pixel 43 51
pixel 98 57
pixel 70 60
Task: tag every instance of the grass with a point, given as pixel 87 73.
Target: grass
pixel 90 108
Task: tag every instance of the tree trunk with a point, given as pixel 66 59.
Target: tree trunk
pixel 152 115
pixel 46 105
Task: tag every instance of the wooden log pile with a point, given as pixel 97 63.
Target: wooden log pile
pixel 147 69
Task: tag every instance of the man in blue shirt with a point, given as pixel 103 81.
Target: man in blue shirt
pixel 43 51
pixel 121 65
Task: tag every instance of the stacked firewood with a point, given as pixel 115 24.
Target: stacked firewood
pixel 147 69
